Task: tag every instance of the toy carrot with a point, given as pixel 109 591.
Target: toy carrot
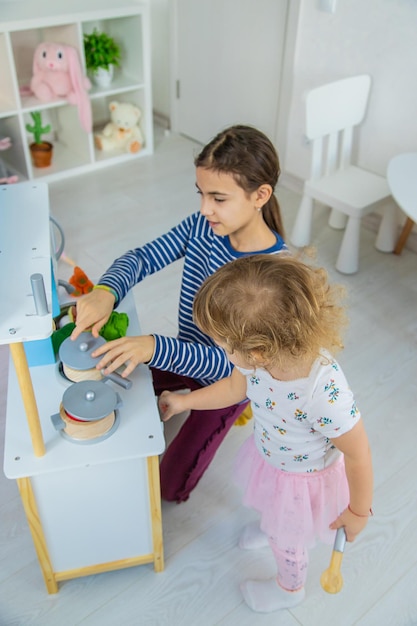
pixel 81 282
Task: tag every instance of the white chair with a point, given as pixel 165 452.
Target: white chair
pixel 332 112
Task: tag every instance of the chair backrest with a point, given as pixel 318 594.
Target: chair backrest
pixel 332 112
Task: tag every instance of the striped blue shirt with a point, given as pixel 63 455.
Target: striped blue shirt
pixel 192 353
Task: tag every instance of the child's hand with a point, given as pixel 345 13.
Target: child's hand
pixel 171 404
pixel 129 351
pixel 352 523
pixel 93 311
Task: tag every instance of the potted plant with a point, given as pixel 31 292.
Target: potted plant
pixel 102 55
pixel 41 151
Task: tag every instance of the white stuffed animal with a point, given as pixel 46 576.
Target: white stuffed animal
pixel 57 73
pixel 123 132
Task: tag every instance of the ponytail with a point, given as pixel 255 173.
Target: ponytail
pixel 272 216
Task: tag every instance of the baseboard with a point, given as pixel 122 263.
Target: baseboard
pixel 160 119
pixel 291 182
pixel 370 221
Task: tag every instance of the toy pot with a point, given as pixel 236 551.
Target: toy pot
pixel 88 412
pixel 41 153
pixel 78 364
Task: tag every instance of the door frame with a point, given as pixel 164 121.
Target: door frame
pixel 287 73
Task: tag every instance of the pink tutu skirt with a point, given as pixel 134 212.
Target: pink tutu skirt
pixel 296 508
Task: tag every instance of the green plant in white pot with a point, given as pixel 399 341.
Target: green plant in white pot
pixel 102 55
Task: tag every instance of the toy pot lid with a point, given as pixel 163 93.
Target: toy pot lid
pixel 90 400
pixel 77 354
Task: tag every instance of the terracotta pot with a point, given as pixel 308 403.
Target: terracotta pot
pixel 41 153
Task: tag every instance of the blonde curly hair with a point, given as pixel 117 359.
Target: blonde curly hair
pixel 273 306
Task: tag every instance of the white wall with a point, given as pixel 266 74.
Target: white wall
pixel 160 33
pixel 378 37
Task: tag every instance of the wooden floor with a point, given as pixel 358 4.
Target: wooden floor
pixel 105 213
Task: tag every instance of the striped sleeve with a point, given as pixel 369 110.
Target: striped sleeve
pixel 132 267
pixel 201 362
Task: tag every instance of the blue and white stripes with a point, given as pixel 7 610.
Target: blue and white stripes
pixel 192 353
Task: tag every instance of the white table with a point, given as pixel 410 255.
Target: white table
pixel 91 508
pixel 402 181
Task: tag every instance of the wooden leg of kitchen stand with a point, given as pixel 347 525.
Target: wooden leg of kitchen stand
pixel 156 513
pixel 35 526
pixel 404 235
pixel 28 396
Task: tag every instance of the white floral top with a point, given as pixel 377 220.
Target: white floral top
pixel 294 421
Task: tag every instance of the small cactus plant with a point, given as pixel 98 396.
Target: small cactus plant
pixel 41 151
pixel 36 128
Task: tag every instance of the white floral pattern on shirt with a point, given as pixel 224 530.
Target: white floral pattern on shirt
pixel 295 421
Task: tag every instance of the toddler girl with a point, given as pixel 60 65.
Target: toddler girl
pixel 307 468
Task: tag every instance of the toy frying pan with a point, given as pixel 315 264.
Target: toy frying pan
pixel 331 579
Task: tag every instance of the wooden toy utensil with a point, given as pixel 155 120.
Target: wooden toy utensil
pixel 331 579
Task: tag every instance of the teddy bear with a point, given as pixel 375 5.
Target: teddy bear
pixel 123 132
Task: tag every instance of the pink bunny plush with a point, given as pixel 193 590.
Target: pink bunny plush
pixel 57 73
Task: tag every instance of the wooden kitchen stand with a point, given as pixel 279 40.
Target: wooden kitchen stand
pixel 91 507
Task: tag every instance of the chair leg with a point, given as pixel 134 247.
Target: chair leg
pixel 301 232
pixel 348 259
pixel 385 241
pixel 404 235
pixel 337 220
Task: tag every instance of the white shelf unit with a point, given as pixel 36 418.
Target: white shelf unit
pixel 23 25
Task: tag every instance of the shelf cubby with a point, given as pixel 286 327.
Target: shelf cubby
pixel 21 30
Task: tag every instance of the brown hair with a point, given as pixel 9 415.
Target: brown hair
pixel 273 305
pixel 249 156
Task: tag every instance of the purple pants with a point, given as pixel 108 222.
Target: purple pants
pixel 191 452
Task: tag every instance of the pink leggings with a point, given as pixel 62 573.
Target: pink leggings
pixel 292 566
pixel 191 452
